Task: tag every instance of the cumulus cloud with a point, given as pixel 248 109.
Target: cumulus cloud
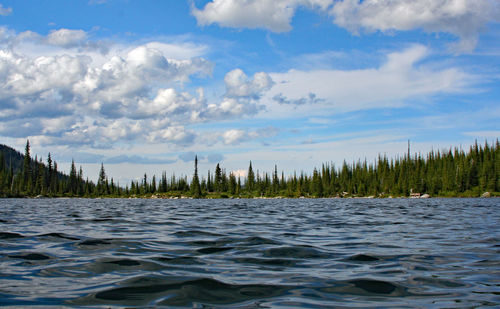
pixel 463 18
pixel 66 37
pixel 238 84
pixel 242 96
pixel 175 134
pixel 400 78
pixel 234 136
pixel 5 11
pixel 99 99
pixel 73 41
pixel 272 15
pixel 123 96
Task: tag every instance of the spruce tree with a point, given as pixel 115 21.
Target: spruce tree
pixel 101 181
pixel 153 184
pixel 27 172
pixel 73 179
pixel 250 178
pixel 232 184
pixel 195 183
pixel 218 179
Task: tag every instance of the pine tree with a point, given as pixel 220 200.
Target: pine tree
pixel 48 179
pixel 250 183
pixel 81 184
pixel 153 184
pixel 73 179
pixel 218 179
pixel 101 181
pixel 145 186
pixel 27 184
pixel 317 186
pixel 2 175
pixel 54 178
pixel 275 180
pixel 232 184
pixel 195 183
pixel 41 186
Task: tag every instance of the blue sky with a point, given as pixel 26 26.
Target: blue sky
pixel 143 86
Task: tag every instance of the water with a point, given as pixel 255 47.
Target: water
pixel 434 253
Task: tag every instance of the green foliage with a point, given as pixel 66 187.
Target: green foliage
pixel 195 183
pixel 451 173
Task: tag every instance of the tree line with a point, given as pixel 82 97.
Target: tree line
pixel 450 173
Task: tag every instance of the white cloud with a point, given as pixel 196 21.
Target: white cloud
pixel 239 173
pixel 5 11
pixel 463 18
pixel 175 134
pixel 237 136
pixel 66 37
pixel 238 85
pixel 272 15
pixel 178 50
pixel 82 97
pixel 402 77
pixel 242 96
pixel 234 136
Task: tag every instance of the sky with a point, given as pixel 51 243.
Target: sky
pixel 144 86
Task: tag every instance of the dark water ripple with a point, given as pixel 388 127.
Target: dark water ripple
pixel 435 253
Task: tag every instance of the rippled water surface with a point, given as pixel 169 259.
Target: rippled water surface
pixel 436 253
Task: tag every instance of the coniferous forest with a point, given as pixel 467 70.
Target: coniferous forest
pixel 452 173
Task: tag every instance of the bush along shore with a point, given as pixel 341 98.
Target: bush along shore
pixel 451 173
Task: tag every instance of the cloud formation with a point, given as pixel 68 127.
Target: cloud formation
pixel 399 79
pixel 462 18
pixel 310 99
pixel 238 84
pixel 126 94
pixel 66 37
pixel 237 136
pixel 272 15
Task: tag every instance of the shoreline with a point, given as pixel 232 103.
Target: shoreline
pixel 184 197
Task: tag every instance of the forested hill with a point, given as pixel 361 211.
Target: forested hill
pixel 450 173
pixel 14 171
pixel 11 156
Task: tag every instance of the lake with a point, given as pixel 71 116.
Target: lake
pixel 280 253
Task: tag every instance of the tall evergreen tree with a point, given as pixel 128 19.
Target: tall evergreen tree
pixel 195 183
pixel 101 181
pixel 73 179
pixel 27 180
pixel 250 183
pixel 218 179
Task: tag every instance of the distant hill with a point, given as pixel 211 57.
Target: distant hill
pixel 12 156
pixel 448 173
pixel 16 159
